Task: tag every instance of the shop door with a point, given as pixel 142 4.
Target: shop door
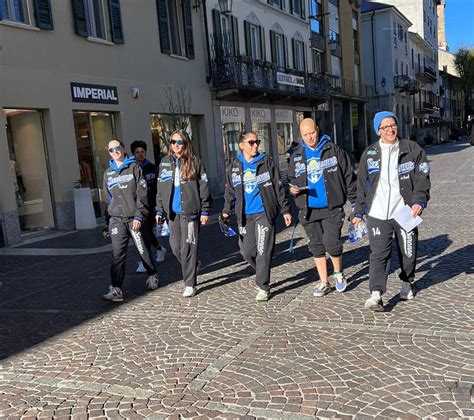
pixel 30 169
pixel 93 131
pixel 263 132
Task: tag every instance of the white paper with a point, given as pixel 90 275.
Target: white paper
pixel 404 218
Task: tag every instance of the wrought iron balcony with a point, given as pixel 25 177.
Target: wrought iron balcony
pixel 343 87
pixel 426 74
pixel 405 84
pixel 233 74
pixel 317 41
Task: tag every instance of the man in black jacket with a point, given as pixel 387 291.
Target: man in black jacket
pixel 321 180
pixel 127 209
pixel 150 173
pixel 392 173
pixel 254 189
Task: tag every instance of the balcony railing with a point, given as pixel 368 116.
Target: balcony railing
pixel 341 86
pixel 405 84
pixel 426 74
pixel 244 73
pixel 317 41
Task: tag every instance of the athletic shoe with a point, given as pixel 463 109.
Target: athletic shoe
pixel 189 291
pixel 262 295
pixel 140 268
pixel 374 303
pixel 341 282
pixel 113 295
pixel 152 282
pixel 322 288
pixel 160 254
pixel 406 291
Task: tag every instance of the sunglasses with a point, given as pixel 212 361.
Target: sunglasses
pixel 115 149
pixel 253 142
pixel 177 142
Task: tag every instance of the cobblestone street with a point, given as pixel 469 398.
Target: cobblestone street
pixel 66 353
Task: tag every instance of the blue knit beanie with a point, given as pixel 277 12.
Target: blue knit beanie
pixel 379 116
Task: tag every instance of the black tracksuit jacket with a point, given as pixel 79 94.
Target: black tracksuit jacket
pixel 339 178
pixel 271 189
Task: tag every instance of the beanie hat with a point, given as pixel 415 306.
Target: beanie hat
pixel 379 116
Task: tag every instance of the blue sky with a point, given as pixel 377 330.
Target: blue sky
pixel 459 23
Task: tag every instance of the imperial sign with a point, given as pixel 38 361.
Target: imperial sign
pixel 94 94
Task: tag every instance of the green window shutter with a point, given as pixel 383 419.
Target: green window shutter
pixel 43 14
pixel 248 40
pixel 80 18
pixel 235 35
pixel 116 22
pixel 188 28
pixel 262 43
pixel 273 47
pixel 163 26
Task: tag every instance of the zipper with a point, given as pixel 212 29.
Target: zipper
pixel 389 180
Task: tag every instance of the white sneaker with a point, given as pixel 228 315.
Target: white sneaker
pixel 160 254
pixel 151 282
pixel 374 303
pixel 262 295
pixel 406 291
pixel 189 291
pixel 140 268
pixel 114 295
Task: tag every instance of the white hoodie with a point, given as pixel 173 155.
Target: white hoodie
pixel 387 199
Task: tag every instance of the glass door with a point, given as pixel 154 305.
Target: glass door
pixel 230 136
pixel 263 132
pixel 29 169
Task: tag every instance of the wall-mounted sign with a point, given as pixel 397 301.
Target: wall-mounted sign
pixel 290 79
pixel 284 116
pixel 94 94
pixel 232 114
pixel 260 115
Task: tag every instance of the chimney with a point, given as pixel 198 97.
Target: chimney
pixel 442 43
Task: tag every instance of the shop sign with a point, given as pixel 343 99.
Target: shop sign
pixel 260 115
pixel 232 114
pixel 290 79
pixel 284 116
pixel 94 94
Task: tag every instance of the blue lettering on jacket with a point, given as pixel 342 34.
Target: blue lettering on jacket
pixel 166 175
pixel 373 165
pixel 406 167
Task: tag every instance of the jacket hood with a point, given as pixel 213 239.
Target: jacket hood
pixel 319 146
pixel 127 161
pixel 253 161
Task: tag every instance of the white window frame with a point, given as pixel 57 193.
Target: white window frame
pixel 176 23
pixel 11 11
pixel 299 55
pixel 255 42
pixel 280 49
pixel 104 20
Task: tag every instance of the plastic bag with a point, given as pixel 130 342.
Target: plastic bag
pixel 162 229
pixel 226 229
pixel 356 233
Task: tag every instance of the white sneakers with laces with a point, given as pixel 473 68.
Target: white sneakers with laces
pixel 189 291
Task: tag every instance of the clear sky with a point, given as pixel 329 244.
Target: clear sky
pixel 459 24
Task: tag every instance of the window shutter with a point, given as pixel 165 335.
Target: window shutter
pixel 116 21
pixel 80 18
pixel 262 43
pixel 273 47
pixel 188 28
pixel 285 42
pixel 293 45
pixel 248 41
pixel 216 21
pixel 43 14
pixel 235 35
pixel 304 55
pixel 163 26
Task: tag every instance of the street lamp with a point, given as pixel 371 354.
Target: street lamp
pixel 226 7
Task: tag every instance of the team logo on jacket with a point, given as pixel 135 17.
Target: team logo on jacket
pixel 236 179
pixel 299 168
pixel 166 175
pixel 263 178
pixel 118 180
pixel 424 167
pixel 204 177
pixel 250 180
pixel 314 170
pixel 373 165
pixel 142 183
pixel 405 167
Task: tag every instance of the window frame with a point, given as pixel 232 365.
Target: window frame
pixel 104 20
pixel 178 24
pixel 10 7
pixel 299 55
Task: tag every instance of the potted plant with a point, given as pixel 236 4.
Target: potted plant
pixel 83 208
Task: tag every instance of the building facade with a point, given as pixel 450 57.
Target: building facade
pixel 74 74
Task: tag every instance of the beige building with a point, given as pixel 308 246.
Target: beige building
pixel 73 74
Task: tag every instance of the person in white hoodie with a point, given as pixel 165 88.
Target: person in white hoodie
pixel 392 173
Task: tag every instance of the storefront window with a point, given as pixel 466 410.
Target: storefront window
pixel 29 169
pixel 231 133
pixel 284 138
pixel 263 132
pixel 93 131
pixel 162 125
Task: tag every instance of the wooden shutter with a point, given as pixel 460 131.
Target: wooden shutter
pixel 285 44
pixel 80 18
pixel 43 14
pixel 163 26
pixel 293 46
pixel 273 52
pixel 248 39
pixel 262 43
pixel 188 28
pixel 235 35
pixel 216 21
pixel 115 16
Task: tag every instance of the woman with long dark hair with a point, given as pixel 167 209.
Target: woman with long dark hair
pixel 183 195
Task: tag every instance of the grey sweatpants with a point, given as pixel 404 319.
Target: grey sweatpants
pixel 380 240
pixel 184 235
pixel 257 243
pixel 120 230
